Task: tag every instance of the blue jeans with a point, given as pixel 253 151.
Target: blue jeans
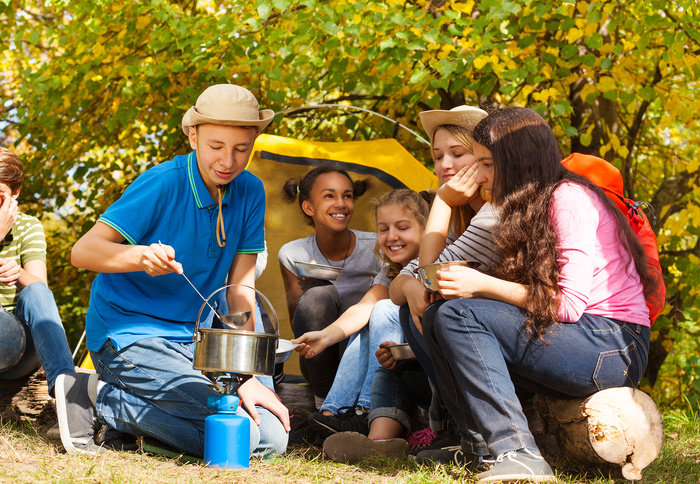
pixel 353 380
pixel 397 392
pixel 482 356
pixel 153 390
pixel 46 342
pixel 438 414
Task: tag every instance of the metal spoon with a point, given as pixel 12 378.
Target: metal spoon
pixel 233 320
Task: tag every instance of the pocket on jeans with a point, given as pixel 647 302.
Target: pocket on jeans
pixel 618 368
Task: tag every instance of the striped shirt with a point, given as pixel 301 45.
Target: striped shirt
pixel 26 244
pixel 475 244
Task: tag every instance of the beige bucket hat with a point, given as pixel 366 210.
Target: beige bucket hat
pixel 229 105
pixel 466 116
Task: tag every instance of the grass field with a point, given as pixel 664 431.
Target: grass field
pixel 27 456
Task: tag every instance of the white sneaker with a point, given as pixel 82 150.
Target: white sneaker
pixel 523 465
pixel 77 417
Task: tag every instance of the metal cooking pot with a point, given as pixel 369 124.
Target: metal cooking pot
pixel 236 351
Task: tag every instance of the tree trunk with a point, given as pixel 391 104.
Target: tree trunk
pixel 614 428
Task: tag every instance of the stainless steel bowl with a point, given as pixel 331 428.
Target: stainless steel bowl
pixel 428 272
pixel 318 271
pixel 401 352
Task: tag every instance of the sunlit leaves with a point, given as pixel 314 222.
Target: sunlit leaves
pixel 99 88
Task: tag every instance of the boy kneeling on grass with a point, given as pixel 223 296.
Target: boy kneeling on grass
pixel 209 213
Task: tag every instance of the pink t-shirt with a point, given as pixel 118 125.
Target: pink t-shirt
pixel 597 276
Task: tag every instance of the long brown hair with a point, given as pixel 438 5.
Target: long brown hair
pixel 527 170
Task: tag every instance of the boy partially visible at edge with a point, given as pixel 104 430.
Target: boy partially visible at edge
pixel 31 331
pixel 209 214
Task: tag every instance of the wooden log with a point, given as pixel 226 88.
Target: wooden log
pixel 25 399
pixel 620 427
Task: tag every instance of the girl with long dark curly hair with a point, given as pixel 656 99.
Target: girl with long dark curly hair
pixel 563 314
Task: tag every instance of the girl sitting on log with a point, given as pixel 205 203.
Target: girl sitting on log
pixel 463 234
pixel 326 197
pixel 563 315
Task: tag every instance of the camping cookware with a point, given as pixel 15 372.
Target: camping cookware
pixel 317 271
pixel 428 272
pixel 401 351
pixel 234 350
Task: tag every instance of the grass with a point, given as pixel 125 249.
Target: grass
pixel 27 456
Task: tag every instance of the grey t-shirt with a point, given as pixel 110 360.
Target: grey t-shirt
pixel 359 268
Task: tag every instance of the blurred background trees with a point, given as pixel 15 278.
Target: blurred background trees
pixel 93 93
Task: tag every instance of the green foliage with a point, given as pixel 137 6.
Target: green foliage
pixel 94 93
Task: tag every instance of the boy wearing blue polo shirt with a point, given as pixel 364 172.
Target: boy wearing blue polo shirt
pixel 201 215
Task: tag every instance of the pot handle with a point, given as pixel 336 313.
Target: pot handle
pixel 273 314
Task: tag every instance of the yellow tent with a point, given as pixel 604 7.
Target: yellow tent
pixel 276 159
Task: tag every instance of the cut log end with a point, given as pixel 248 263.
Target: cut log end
pixel 618 426
pixel 631 472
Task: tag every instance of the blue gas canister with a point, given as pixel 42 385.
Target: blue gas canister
pixel 226 435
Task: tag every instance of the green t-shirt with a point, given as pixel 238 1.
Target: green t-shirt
pixel 28 243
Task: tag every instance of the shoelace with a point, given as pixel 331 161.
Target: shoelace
pixel 421 438
pixel 505 455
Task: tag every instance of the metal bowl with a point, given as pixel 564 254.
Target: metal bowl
pixel 428 273
pixel 402 352
pixel 317 271
pixel 284 350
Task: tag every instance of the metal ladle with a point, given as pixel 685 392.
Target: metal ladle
pixel 235 320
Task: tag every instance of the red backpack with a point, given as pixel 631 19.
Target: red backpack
pixel 607 177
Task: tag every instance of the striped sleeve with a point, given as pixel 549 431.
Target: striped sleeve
pixel 32 244
pixel 476 243
pixel 26 242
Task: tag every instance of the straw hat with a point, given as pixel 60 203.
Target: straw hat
pixel 466 116
pixel 229 105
